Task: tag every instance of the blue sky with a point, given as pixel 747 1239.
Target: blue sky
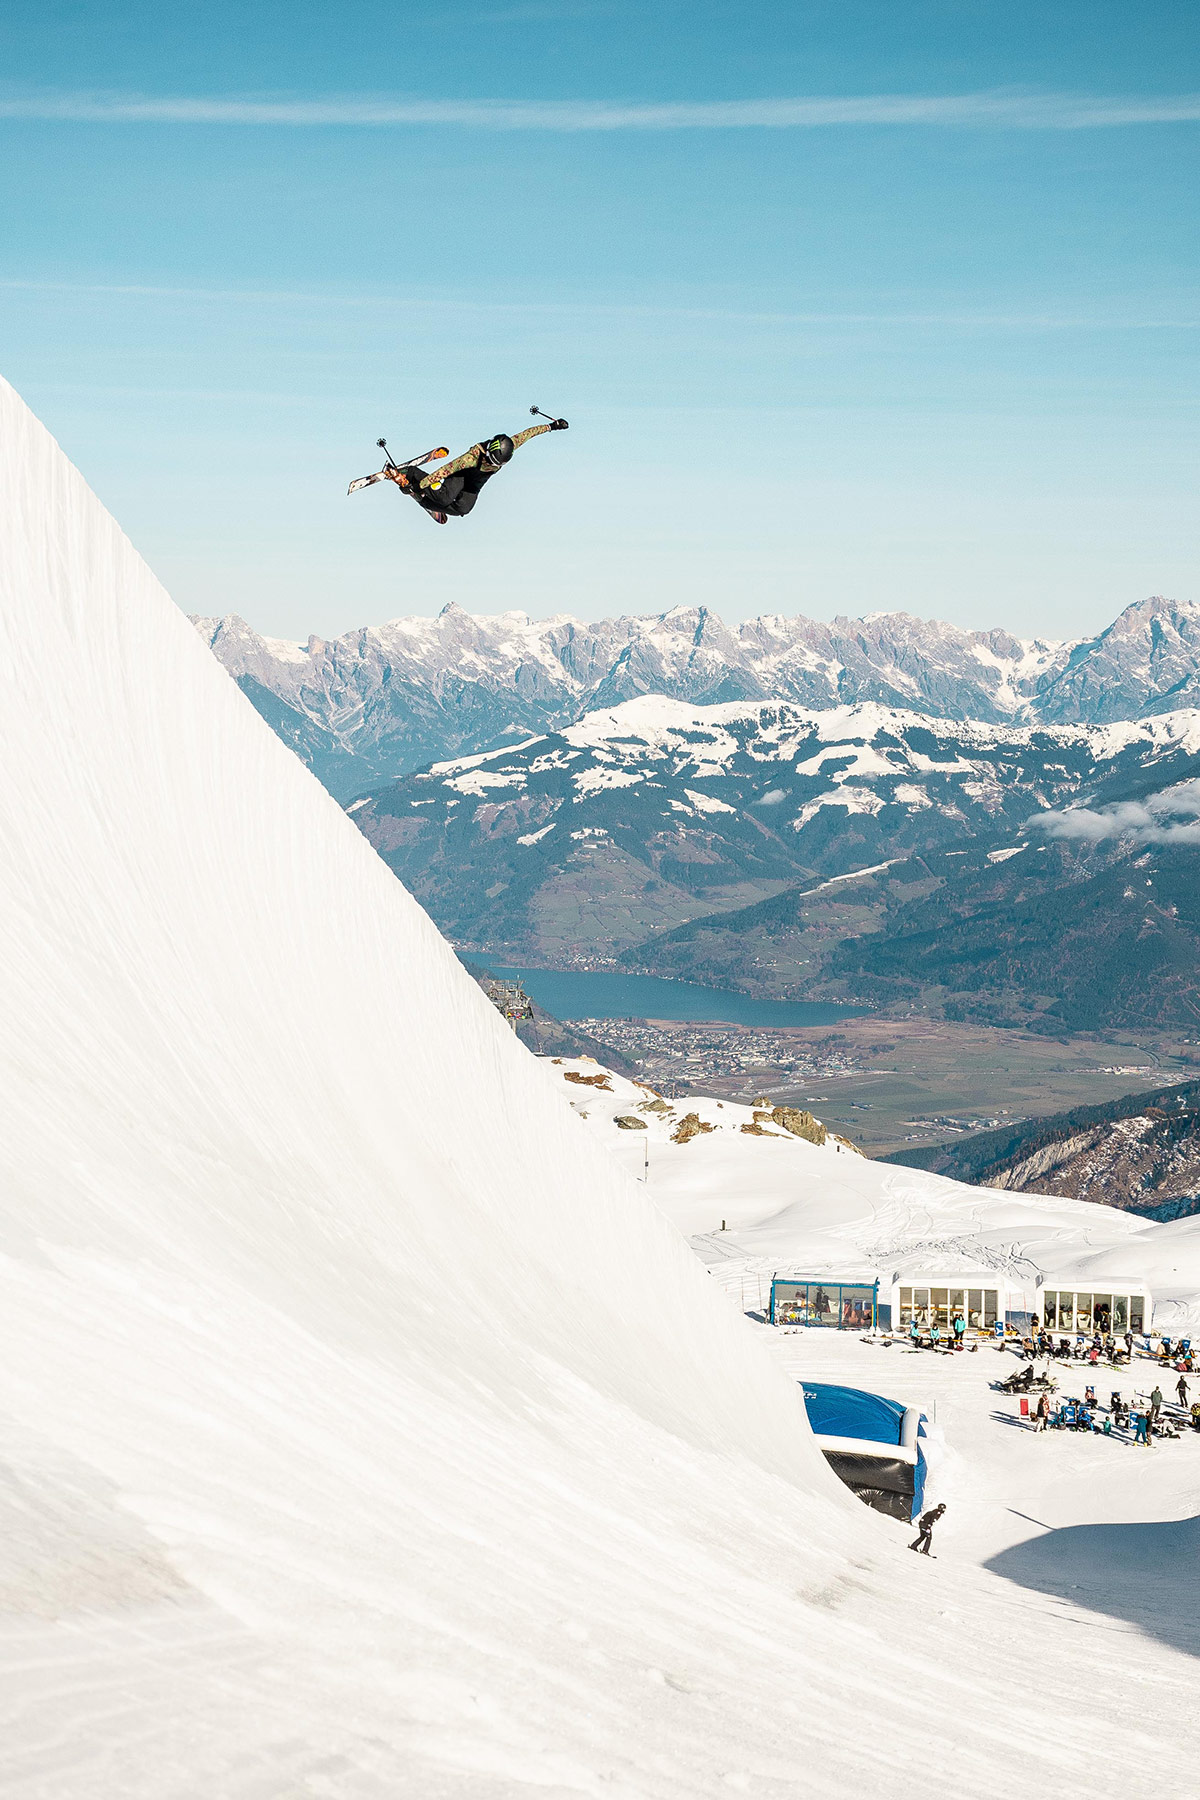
pixel 852 306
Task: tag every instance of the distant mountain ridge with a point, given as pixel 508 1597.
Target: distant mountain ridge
pixel 383 700
pixel 854 853
pixel 1140 1153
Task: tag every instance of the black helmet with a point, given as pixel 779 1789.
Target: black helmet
pixel 499 450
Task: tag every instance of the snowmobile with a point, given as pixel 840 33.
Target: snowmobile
pixel 1025 1381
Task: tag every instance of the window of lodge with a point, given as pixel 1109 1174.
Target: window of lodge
pixel 844 1305
pixel 940 1305
pixel 1068 1311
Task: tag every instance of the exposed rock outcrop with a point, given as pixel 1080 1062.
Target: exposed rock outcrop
pixel 800 1123
pixel 691 1125
pixel 1140 1153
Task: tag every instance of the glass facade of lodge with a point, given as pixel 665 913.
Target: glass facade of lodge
pixel 1117 1313
pixel 855 1306
pixel 846 1305
pixel 930 1305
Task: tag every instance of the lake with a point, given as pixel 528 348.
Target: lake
pixel 601 994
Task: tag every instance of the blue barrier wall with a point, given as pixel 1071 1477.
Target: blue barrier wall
pixel 844 1412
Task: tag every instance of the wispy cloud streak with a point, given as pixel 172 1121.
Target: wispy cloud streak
pixel 574 309
pixel 1004 110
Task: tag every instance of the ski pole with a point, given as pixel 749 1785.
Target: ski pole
pixel 381 444
pixel 539 414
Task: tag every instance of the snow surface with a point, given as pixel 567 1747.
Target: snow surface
pixel 792 1205
pixel 364 1431
pixel 1112 1530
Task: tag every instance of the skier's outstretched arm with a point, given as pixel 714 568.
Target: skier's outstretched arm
pixel 468 460
pixel 533 431
pixel 523 437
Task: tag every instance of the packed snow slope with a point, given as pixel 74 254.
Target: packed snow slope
pixel 756 1199
pixel 363 1429
pixel 788 1203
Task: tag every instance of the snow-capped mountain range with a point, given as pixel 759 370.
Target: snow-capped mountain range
pixel 380 701
pixel 644 817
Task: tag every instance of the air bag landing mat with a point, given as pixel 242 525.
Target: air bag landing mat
pixel 882 1482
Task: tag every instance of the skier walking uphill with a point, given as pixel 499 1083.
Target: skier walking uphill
pixel 924 1535
pixel 451 492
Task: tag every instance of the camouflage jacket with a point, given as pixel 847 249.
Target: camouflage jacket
pixel 470 458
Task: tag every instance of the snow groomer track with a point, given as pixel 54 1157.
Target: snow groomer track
pixel 363 1431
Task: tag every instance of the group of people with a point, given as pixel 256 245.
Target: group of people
pixel 1101 1345
pixel 935 1337
pixel 1104 1346
pixel 1147 1418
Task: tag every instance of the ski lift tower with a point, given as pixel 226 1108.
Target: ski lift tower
pixel 509 998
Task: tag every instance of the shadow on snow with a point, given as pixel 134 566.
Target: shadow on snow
pixel 1141 1573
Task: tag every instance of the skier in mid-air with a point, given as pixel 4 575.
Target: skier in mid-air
pixel 450 493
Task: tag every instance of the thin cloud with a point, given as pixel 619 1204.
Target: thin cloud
pixel 1005 109
pixel 575 309
pixel 1158 819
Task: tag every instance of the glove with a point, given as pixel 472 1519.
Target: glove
pixel 559 425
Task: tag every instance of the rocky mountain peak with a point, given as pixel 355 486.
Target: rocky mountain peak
pixel 378 701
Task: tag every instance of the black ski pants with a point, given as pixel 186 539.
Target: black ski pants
pixel 457 494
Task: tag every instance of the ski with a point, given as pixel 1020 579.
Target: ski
pixel 414 462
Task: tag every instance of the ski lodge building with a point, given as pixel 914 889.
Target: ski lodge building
pixel 990 1300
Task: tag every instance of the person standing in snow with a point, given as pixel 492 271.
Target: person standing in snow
pixel 1129 1345
pixel 1041 1417
pixel 1156 1401
pixel 960 1330
pixel 1181 1388
pixel 924 1535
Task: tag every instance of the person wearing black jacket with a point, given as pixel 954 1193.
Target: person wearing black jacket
pixel 451 491
pixel 924 1535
